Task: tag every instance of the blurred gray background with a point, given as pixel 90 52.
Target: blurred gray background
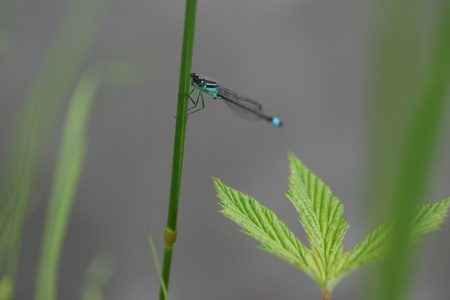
pixel 307 62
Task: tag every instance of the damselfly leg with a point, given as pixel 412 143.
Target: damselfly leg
pixel 195 102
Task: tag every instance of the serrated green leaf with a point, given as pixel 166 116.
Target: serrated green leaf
pixel 376 245
pixel 428 217
pixel 321 215
pixel 262 224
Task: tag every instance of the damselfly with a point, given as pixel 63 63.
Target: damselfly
pixel 241 105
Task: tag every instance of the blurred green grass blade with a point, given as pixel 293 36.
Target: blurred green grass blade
pixel 65 180
pixel 417 138
pixel 43 105
pixel 96 276
pixel 417 155
pixel 6 288
pixel 396 73
pixel 67 172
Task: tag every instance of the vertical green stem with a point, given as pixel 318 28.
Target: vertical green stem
pixel 180 131
pixel 326 294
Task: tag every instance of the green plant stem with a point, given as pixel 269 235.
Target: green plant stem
pixel 180 131
pixel 326 295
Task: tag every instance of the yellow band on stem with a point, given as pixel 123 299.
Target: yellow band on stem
pixel 170 237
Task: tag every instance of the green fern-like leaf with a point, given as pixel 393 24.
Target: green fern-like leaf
pixel 262 224
pixel 321 215
pixel 376 245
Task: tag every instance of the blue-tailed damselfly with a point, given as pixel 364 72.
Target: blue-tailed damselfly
pixel 241 105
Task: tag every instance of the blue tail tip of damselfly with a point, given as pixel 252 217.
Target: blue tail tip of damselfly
pixel 276 122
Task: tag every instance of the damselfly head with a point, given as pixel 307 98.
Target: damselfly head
pixel 196 81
